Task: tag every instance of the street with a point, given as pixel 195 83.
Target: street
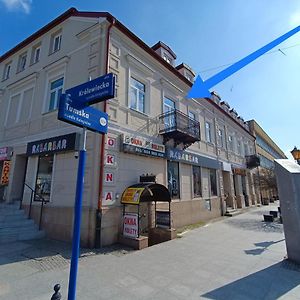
pixel 233 258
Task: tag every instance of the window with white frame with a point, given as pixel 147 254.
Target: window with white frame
pixel 55 91
pixel 230 143
pixel 35 56
pixel 208 134
pixel 22 62
pixel 55 42
pixel 220 138
pixel 6 71
pixel 239 147
pixel 137 95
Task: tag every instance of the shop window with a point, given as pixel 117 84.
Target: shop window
pixel 197 181
pixel 56 87
pixel 213 182
pixel 44 177
pixel 173 179
pixel 137 95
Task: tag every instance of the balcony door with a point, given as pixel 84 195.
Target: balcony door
pixel 169 120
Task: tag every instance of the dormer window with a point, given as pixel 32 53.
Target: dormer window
pixel 167 58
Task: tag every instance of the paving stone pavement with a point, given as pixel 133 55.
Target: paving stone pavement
pixel 235 258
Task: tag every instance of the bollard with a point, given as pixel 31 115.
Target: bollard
pixel 57 294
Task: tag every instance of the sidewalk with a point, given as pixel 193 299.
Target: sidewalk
pixel 235 258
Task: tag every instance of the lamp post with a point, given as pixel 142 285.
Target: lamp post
pixel 296 154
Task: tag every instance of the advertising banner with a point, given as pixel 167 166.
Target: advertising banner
pixel 132 196
pixel 5 173
pixel 131 225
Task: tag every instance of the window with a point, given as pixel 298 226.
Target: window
pixel 169 119
pixel 173 179
pixel 6 72
pixel 208 132
pixel 167 58
pixel 55 42
pixel 56 87
pixel 137 95
pixel 230 143
pixel 44 177
pixel 213 182
pixel 22 62
pixel 192 115
pixel 221 138
pixel 36 51
pixel 197 181
pixel 239 148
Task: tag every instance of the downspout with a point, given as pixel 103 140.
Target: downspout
pixel 98 244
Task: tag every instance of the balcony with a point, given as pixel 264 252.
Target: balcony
pixel 180 127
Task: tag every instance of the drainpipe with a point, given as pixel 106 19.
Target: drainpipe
pixel 112 21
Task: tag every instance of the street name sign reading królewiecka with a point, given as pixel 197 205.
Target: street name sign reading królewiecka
pixel 93 91
pixel 88 117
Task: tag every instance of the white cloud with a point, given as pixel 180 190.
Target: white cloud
pixel 295 19
pixel 13 5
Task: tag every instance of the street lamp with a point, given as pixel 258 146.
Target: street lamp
pixel 296 154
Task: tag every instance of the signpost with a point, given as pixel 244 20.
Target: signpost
pixel 74 109
pixel 93 91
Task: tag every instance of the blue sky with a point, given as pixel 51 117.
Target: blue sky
pixel 206 35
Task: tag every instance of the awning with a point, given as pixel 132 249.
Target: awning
pixel 145 192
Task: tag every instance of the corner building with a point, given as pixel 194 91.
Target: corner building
pixel 195 147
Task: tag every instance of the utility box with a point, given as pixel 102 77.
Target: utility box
pixel 288 180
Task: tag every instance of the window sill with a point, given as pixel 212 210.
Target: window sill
pixel 138 112
pixel 20 71
pixel 52 52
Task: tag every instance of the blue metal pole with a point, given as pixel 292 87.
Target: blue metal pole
pixel 77 220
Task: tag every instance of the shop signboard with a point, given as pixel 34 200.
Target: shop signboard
pixel 5 153
pixel 142 146
pixel 93 91
pixel 5 173
pixel 132 196
pixel 88 117
pixel 163 219
pixel 191 158
pixel 62 143
pixel 131 225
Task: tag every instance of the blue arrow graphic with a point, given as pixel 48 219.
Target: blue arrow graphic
pixel 201 88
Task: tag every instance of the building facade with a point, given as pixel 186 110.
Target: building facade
pixel 197 148
pixel 267 150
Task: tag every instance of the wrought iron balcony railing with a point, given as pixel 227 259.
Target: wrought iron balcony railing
pixel 179 126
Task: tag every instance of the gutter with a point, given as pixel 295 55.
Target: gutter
pixel 98 243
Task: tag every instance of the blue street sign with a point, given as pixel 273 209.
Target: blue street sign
pixel 94 91
pixel 201 88
pixel 87 117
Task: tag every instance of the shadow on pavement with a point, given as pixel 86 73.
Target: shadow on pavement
pixel 270 283
pixel 263 246
pixel 255 225
pixel 46 254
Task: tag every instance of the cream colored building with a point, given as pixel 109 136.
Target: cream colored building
pixel 195 147
pixel 267 150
